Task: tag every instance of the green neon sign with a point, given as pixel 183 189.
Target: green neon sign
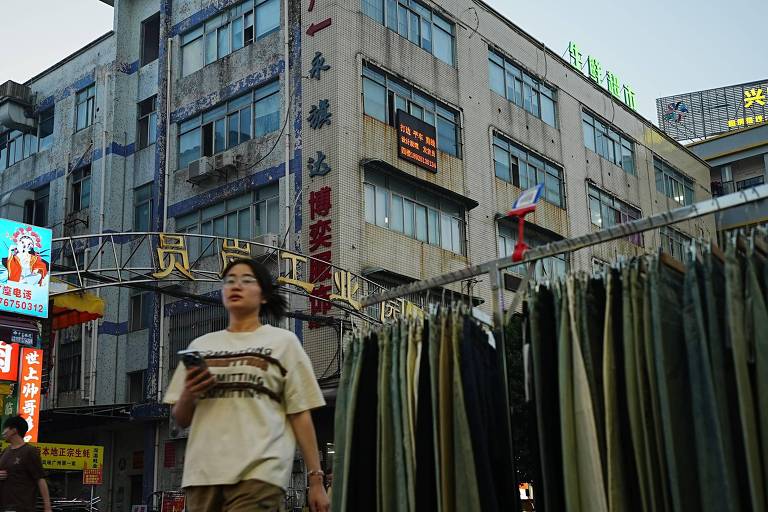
pixel 596 73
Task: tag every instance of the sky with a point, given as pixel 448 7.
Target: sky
pixel 658 47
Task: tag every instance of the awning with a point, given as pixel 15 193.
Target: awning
pixel 75 308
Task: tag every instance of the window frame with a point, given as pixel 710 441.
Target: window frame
pixel 147 122
pixel 145 302
pixel 506 238
pixel 264 201
pixel 607 145
pixel 243 16
pixel 671 240
pixel 129 388
pixel 142 202
pixel 207 122
pixel 433 111
pixel 410 200
pixel 424 16
pixel 48 114
pixel 69 354
pixel 516 82
pixel 625 211
pixel 41 202
pixel 670 180
pixel 145 24
pixel 90 106
pixel 521 159
pixel 80 178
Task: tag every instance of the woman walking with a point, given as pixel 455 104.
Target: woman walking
pixel 246 394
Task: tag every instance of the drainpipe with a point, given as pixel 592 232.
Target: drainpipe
pixel 287 139
pixel 102 202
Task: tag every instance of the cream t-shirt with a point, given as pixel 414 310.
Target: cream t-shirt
pixel 240 428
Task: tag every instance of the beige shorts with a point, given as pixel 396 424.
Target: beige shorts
pixel 246 496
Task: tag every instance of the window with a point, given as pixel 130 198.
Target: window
pixel 672 183
pixel 384 95
pixel 148 122
pixel 142 208
pixel 750 182
pixel 227 32
pixel 516 165
pixel 547 268
pixel 81 189
pixel 15 146
pixel 231 123
pixel 86 101
pixel 522 89
pixel 606 210
pixel 244 217
pixel 608 142
pixel 36 211
pixel 417 23
pixel 136 387
pixel 69 357
pixel 45 121
pixel 150 39
pixel 141 311
pixel 398 205
pixel 674 242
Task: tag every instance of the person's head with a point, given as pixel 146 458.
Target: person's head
pixel 26 244
pixel 248 289
pixel 14 426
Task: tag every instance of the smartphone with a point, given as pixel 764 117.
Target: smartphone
pixel 193 360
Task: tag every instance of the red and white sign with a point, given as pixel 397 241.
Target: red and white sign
pixel 9 361
pixel 93 476
pixel 29 390
pixel 173 502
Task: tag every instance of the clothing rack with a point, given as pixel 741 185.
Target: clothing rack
pixel 494 268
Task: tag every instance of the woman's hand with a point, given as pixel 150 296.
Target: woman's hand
pixel 318 499
pixel 198 381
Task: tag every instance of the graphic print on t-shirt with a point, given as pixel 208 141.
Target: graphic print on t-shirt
pixel 243 374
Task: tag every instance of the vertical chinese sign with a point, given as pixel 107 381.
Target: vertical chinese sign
pixel 320 195
pixel 29 390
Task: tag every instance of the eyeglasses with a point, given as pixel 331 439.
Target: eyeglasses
pixel 230 281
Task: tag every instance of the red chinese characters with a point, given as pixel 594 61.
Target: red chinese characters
pixel 320 243
pixel 29 390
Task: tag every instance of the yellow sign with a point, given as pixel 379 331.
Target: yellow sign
pixel 754 96
pixel 68 457
pixel 171 246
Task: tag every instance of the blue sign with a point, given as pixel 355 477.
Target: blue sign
pixel 25 270
pixel 527 200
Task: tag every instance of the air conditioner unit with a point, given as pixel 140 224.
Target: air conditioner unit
pixel 269 240
pixel 226 162
pixel 200 170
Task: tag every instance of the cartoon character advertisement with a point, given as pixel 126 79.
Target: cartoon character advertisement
pixel 25 269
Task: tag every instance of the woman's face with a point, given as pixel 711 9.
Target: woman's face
pixel 25 244
pixel 241 291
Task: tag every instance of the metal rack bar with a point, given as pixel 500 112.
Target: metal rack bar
pixel 693 211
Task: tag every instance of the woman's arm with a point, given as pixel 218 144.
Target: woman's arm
pixel 304 430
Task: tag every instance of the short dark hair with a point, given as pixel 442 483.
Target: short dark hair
pixel 276 305
pixel 18 423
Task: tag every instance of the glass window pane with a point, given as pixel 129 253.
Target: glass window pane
pixel 237 33
pixel 434 227
pixel 413 28
pixel 501 163
pixel 446 136
pixel 85 193
pixel 374 100
pixel 217 113
pixel 594 210
pixel 273 215
pixel 402 21
pixel 426 35
pixel 224 41
pixel 443 45
pixel 210 47
pixel 381 206
pixel 220 136
pixel 396 215
pixel 268 115
pixel 496 78
pixel 589 135
pixel 456 236
pixel 245 124
pixel 552 189
pixel 548 111
pixel 267 17
pixel 82 110
pixel 421 223
pixel 189 147
pixel 232 224
pixel 244 224
pixel 408 208
pixel 191 35
pixel 392 14
pixel 445 231
pixel 374 9
pixel 370 204
pixel 234 130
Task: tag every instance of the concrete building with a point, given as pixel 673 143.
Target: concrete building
pixel 175 122
pixel 739 160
